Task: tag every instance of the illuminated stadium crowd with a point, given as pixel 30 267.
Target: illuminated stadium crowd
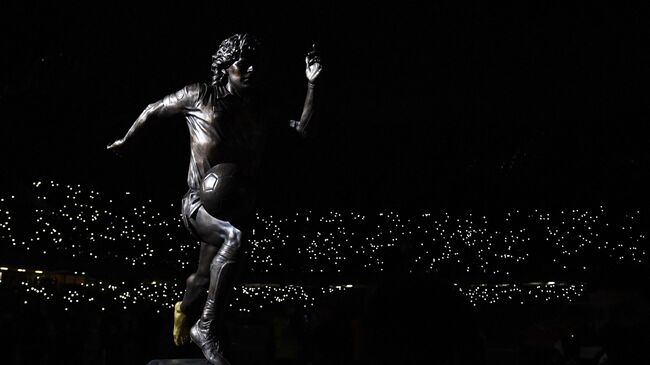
pixel 128 250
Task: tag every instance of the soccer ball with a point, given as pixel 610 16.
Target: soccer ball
pixel 224 193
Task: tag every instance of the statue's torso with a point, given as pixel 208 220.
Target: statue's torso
pixel 224 129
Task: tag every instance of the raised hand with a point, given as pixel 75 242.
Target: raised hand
pixel 313 65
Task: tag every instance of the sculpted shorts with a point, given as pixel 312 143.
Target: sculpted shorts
pixel 190 206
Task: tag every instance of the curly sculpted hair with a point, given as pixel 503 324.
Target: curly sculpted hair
pixel 230 51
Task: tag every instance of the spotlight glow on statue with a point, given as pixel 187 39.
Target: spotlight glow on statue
pixel 228 132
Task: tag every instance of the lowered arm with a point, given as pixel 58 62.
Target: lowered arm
pixel 168 106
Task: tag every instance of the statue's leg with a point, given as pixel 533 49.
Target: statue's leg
pixel 210 229
pixel 187 311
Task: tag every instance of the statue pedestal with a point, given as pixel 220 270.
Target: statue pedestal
pixel 178 362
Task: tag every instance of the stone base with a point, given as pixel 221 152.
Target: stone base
pixel 178 362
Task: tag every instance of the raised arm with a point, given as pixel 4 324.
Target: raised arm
pixel 168 106
pixel 312 71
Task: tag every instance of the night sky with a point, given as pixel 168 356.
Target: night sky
pixel 419 107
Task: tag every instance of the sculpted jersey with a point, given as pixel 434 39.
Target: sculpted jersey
pixel 222 129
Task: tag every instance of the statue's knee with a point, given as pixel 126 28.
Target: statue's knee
pixel 234 236
pixel 232 244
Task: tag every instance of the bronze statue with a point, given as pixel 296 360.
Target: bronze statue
pixel 227 134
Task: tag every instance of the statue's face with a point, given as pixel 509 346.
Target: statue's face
pixel 242 74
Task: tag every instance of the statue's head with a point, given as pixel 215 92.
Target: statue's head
pixel 232 49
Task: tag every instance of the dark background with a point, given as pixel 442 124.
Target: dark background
pixel 419 106
pixel 436 107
